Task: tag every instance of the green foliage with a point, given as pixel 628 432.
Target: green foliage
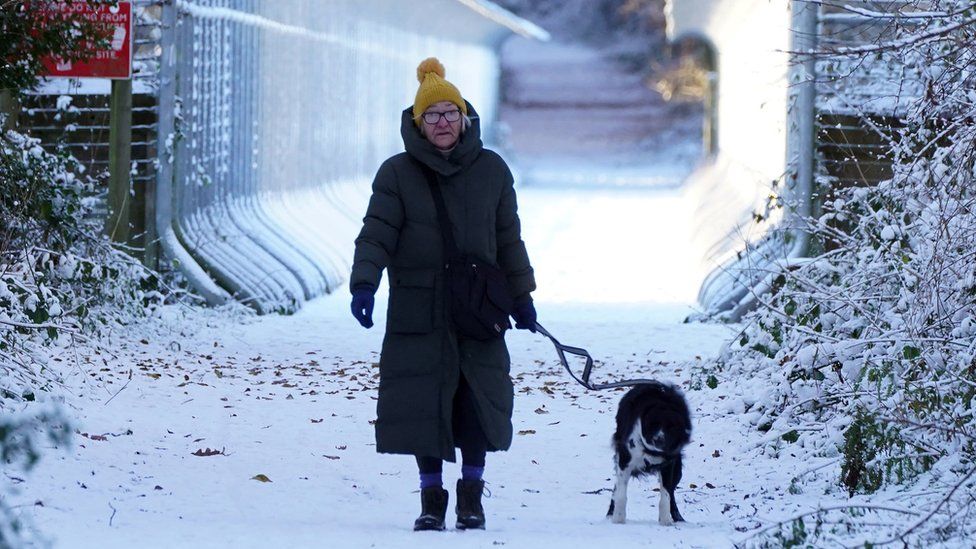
pixel 859 471
pixel 711 381
pixel 797 536
pixel 875 453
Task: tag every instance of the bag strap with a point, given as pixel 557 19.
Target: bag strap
pixel 447 230
pixel 563 350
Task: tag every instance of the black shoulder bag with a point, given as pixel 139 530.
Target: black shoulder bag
pixel 477 292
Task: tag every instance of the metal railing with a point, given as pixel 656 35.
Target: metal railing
pixel 274 116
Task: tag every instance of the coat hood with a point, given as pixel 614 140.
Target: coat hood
pixel 465 152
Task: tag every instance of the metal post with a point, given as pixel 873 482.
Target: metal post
pixel 710 122
pixel 167 150
pixel 802 137
pixel 9 108
pixel 118 224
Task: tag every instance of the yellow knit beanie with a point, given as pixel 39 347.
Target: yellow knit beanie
pixel 433 88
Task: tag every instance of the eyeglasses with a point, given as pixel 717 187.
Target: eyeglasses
pixel 433 118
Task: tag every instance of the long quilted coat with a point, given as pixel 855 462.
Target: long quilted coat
pixel 422 356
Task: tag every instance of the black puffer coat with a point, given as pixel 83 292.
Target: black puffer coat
pixel 422 357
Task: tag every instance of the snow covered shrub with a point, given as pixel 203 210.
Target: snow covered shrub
pixel 59 277
pixel 57 273
pixel 869 348
pixel 20 438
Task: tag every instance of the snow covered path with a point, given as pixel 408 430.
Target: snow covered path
pixel 291 398
pixel 578 117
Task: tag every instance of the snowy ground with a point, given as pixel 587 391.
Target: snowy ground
pixel 577 117
pixel 292 397
pixel 290 400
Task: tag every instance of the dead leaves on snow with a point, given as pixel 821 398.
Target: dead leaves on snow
pixel 102 437
pixel 208 452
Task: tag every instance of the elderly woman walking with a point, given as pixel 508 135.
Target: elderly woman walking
pixel 443 222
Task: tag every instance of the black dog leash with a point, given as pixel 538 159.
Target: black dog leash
pixel 585 381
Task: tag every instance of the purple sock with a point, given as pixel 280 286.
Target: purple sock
pixel 430 479
pixel 471 472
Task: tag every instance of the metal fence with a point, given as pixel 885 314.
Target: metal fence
pixel 274 116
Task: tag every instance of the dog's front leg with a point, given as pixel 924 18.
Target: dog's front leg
pixel 670 476
pixel 618 502
pixel 664 507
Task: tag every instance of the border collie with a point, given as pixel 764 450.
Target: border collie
pixel 653 425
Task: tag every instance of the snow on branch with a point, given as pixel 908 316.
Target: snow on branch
pixel 873 338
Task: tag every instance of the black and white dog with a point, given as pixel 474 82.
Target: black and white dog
pixel 653 425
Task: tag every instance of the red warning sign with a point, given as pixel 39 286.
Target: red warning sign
pixel 112 61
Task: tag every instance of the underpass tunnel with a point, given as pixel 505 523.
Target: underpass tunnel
pixel 605 134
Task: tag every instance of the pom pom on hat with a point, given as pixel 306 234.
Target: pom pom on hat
pixel 434 89
pixel 431 64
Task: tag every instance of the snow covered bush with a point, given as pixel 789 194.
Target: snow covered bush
pixel 59 277
pixel 868 350
pixel 21 435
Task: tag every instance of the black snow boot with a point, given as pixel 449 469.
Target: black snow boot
pixel 433 507
pixel 470 513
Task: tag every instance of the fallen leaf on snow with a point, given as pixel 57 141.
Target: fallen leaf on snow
pixel 208 452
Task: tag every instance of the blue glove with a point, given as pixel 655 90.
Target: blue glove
pixel 525 316
pixel 362 307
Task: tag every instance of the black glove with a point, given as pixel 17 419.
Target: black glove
pixel 362 307
pixel 525 316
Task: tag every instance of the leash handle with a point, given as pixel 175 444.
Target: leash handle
pixel 562 350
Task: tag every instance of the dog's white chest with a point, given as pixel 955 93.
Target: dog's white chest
pixel 644 454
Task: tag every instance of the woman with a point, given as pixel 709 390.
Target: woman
pixel 440 390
